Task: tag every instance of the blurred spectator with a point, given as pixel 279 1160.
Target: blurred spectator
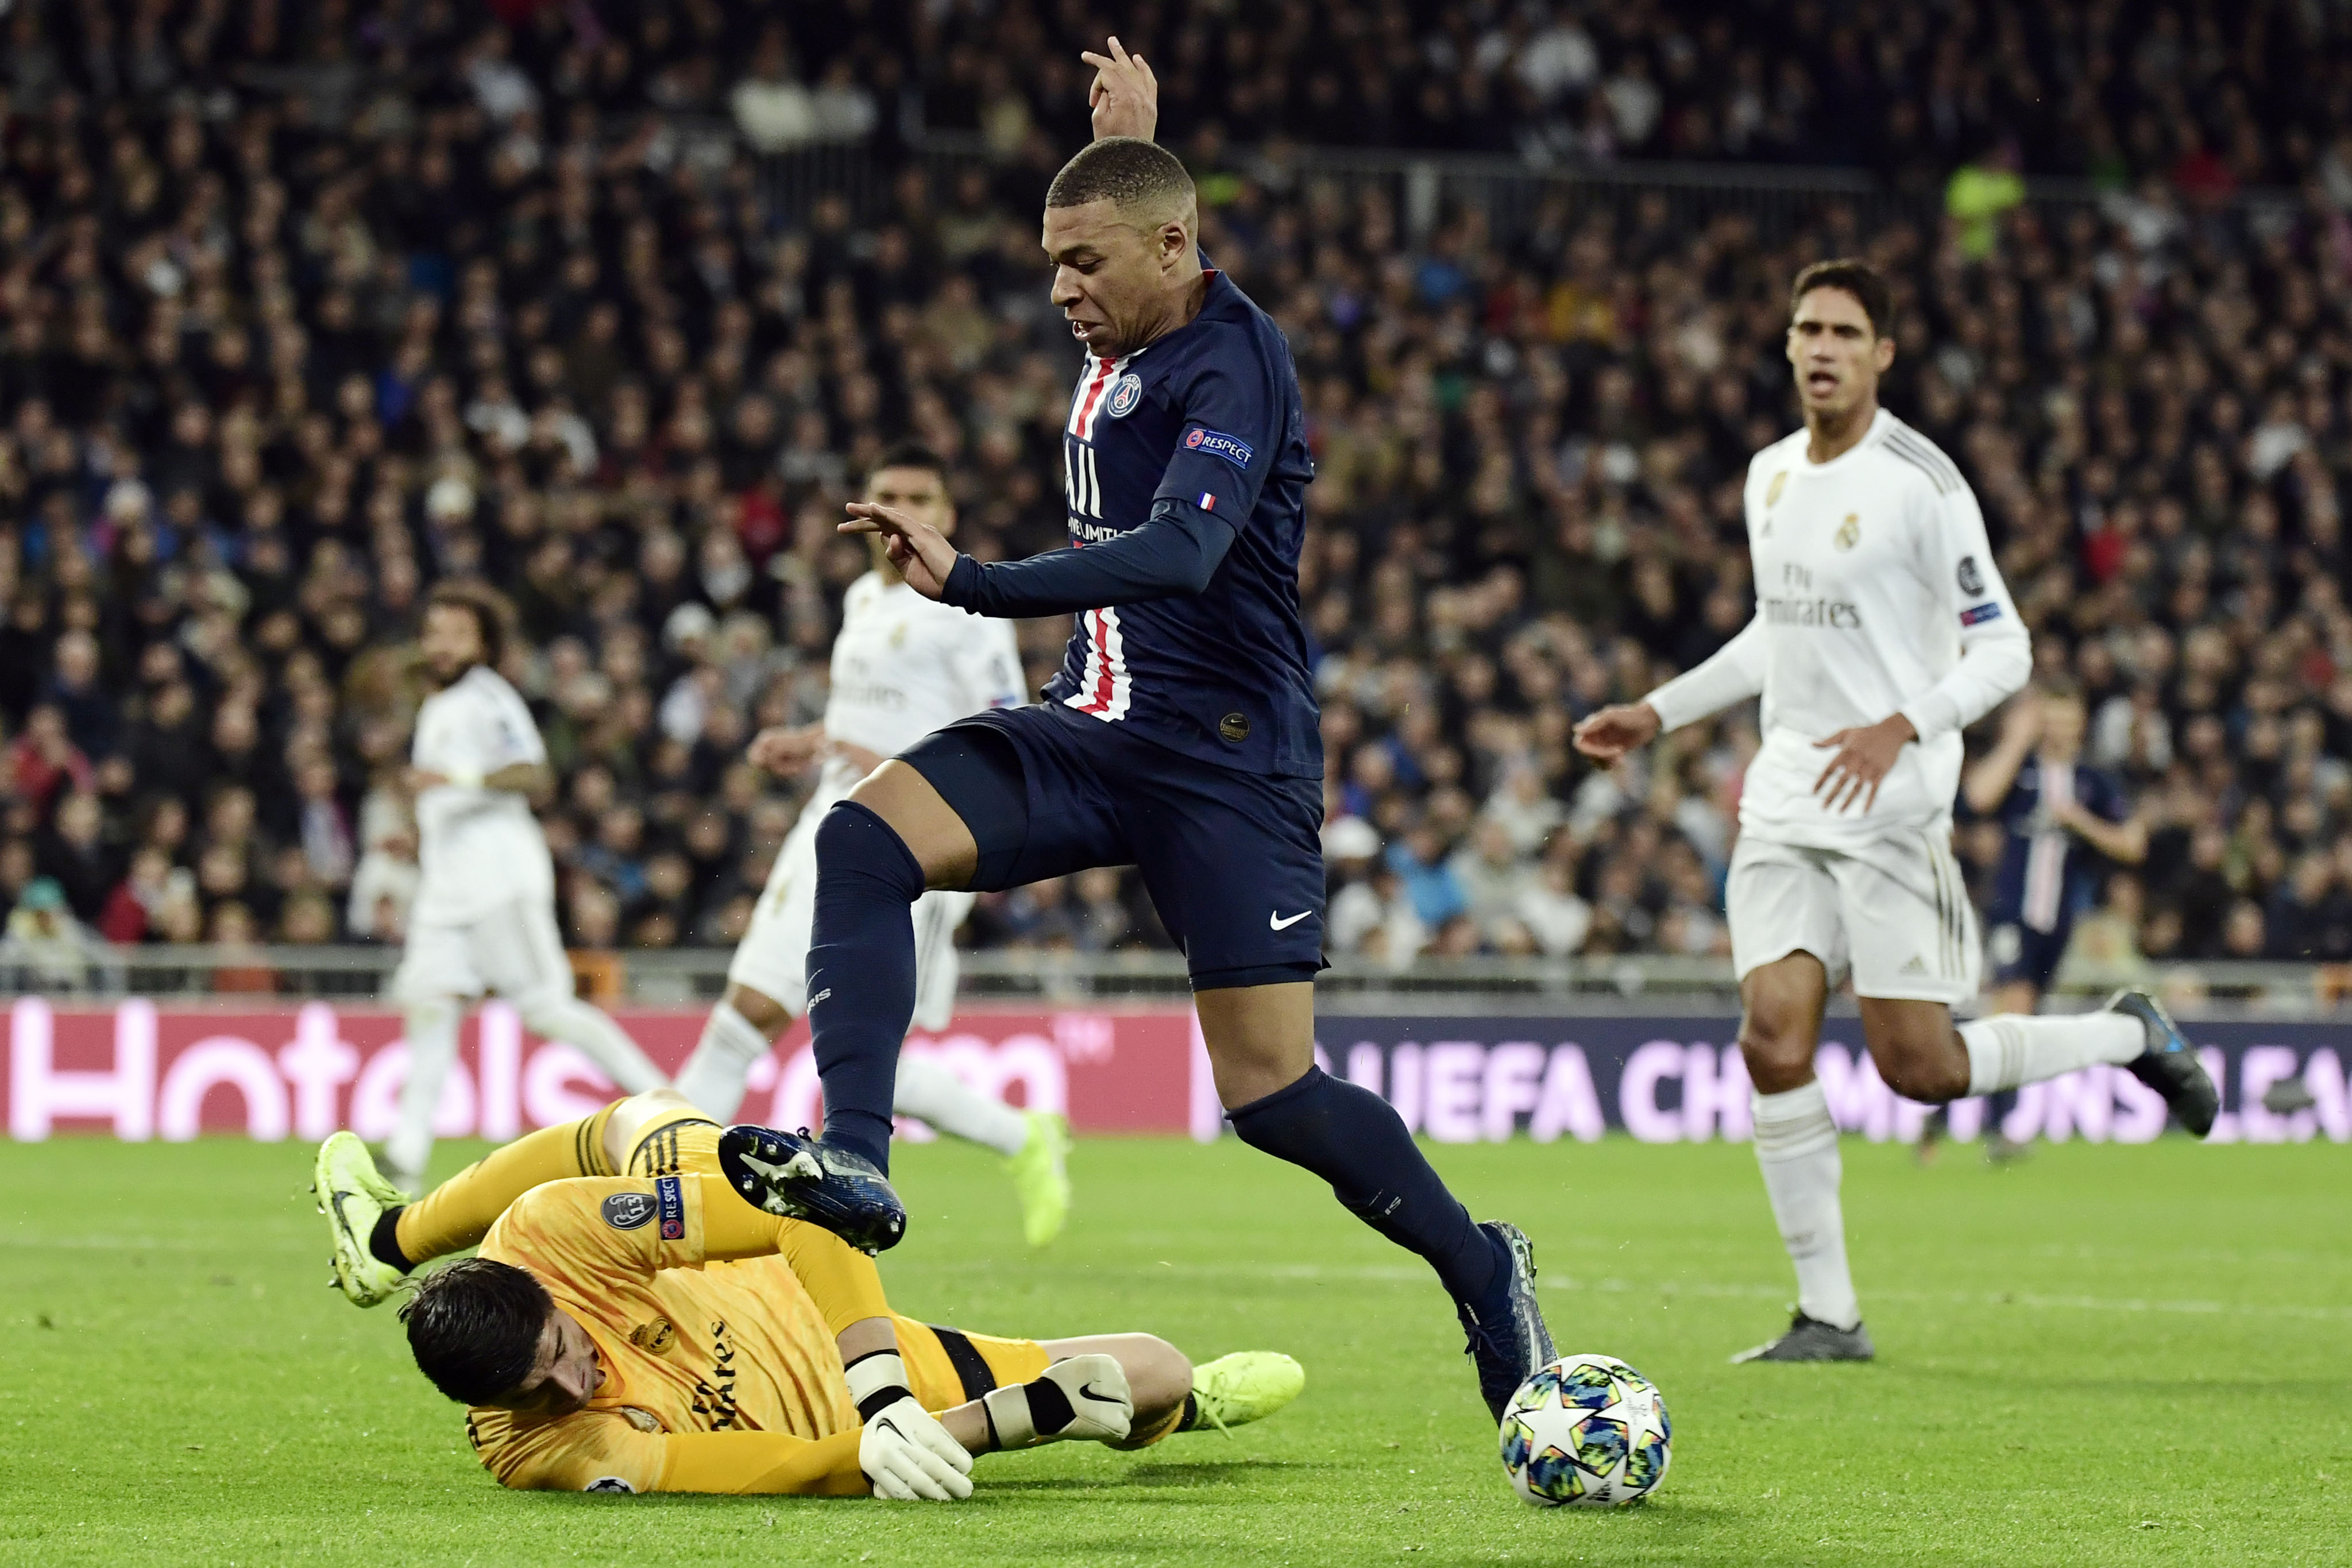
pixel 45 948
pixel 75 856
pixel 131 906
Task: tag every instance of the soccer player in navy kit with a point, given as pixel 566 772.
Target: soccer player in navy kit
pixel 1180 736
pixel 2060 816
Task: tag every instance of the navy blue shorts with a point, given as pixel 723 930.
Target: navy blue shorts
pixel 1232 861
pixel 2018 952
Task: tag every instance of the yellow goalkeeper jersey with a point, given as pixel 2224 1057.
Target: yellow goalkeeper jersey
pixel 706 1334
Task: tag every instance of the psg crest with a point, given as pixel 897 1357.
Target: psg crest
pixel 1125 394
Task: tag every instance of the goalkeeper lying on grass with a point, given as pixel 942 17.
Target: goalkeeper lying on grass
pixel 631 1325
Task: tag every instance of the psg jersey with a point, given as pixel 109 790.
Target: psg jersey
pixel 2047 875
pixel 1208 417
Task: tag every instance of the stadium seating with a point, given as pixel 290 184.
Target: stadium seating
pixel 307 310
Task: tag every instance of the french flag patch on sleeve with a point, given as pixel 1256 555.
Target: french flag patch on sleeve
pixel 1207 502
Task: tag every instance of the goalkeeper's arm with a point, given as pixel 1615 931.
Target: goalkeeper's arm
pixel 1084 1397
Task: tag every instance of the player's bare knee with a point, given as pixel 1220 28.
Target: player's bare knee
pixel 1159 1375
pixel 1779 1059
pixel 1929 1070
pixel 1918 1052
pixel 910 807
pixel 1777 1042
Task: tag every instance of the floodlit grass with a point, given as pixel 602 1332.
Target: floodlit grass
pixel 2104 1356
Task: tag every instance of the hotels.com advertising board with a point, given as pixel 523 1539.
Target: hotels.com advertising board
pixel 139 1070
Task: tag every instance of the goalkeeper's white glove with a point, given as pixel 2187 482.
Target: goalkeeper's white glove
pixel 1086 1397
pixel 904 1451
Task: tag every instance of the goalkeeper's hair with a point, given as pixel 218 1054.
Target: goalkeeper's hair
pixel 491 610
pixel 1854 277
pixel 474 1328
pixel 907 453
pixel 1141 178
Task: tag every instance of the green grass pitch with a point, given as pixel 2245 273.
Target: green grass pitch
pixel 2104 1356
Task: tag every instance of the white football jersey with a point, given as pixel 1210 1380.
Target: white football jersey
pixel 904 666
pixel 475 849
pixel 1874 578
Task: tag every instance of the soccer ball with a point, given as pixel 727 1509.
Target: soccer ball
pixel 1587 1429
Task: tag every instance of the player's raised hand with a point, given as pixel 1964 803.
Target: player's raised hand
pixel 784 749
pixel 1863 757
pixel 916 549
pixel 2020 727
pixel 1616 730
pixel 1125 96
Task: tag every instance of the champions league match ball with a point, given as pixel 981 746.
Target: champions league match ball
pixel 1587 1429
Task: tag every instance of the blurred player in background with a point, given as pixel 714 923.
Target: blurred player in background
pixel 2059 819
pixel 1882 630
pixel 484 919
pixel 903 666
pixel 631 1325
pixel 1180 736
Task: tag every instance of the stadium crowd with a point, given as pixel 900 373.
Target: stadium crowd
pixel 304 311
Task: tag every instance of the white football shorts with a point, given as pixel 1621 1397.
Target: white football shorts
pixel 1891 911
pixel 514 950
pixel 772 958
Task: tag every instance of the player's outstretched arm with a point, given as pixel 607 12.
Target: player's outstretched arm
pixel 1177 551
pixel 1621 727
pixel 1987 781
pixel 920 553
pixel 1733 673
pixel 535 780
pixel 1124 95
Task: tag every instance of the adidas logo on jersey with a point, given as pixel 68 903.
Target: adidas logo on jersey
pixel 1916 966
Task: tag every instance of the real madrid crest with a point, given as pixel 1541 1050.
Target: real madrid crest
pixel 1125 393
pixel 1849 531
pixel 1773 491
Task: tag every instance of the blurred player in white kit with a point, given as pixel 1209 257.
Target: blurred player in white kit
pixel 903 666
pixel 484 919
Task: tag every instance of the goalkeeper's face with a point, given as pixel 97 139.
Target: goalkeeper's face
pixel 1838 357
pixel 564 1377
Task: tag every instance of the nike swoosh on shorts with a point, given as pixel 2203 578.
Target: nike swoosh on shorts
pixel 1279 924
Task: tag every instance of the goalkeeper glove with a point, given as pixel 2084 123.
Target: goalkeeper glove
pixel 1085 1397
pixel 904 1451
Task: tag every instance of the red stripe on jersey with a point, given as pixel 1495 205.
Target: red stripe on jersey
pixel 1100 700
pixel 1103 368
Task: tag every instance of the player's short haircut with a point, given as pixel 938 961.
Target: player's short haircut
pixel 474 1328
pixel 908 454
pixel 1859 278
pixel 1142 179
pixel 490 609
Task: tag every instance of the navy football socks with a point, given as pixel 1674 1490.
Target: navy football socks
pixel 1354 1140
pixel 861 973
